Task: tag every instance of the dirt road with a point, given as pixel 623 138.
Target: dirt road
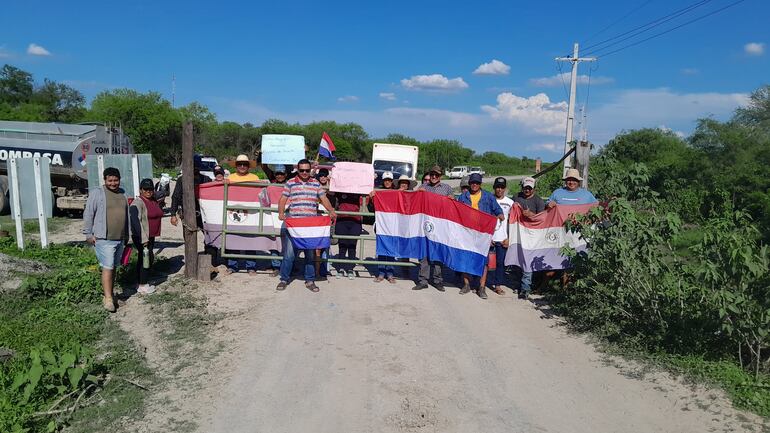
pixel 366 357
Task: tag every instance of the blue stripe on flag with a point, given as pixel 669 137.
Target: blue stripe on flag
pixel 311 243
pixel 325 153
pixel 420 247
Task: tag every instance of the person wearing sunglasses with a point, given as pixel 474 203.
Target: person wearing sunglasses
pixel 531 205
pixel 300 198
pixel 436 186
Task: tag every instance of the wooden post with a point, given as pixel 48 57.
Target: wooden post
pixel 582 155
pixel 190 222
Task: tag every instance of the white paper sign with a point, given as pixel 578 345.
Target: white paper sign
pixel 282 149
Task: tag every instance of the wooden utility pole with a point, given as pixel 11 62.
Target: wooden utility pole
pixel 190 221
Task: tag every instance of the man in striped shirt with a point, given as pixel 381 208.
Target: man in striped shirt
pixel 300 198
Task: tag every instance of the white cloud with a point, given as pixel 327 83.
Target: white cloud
pixel 495 67
pixel 754 48
pixel 536 112
pixel 347 98
pixel 37 50
pixel 564 78
pixel 388 96
pixel 4 53
pixel 550 147
pixel 690 71
pixel 434 82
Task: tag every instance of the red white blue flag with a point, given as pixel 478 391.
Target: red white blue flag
pixel 326 147
pixel 309 233
pixel 535 243
pixel 423 224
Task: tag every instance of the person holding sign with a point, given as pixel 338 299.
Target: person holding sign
pixel 300 198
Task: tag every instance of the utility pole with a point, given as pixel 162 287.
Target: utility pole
pixel 575 59
pixel 173 90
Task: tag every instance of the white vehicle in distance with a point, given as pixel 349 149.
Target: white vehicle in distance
pixel 476 170
pixel 207 167
pixel 457 172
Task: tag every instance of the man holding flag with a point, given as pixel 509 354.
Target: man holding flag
pixel 303 228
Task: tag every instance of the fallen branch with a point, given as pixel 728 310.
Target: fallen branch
pixel 69 410
pixel 138 385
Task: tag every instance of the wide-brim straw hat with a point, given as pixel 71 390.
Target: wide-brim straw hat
pixel 412 182
pixel 572 173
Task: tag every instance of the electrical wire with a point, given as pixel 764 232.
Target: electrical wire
pixel 595 48
pixel 561 75
pixel 673 28
pixel 618 21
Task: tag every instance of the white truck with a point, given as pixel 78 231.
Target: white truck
pixel 478 170
pixel 398 159
pixel 458 172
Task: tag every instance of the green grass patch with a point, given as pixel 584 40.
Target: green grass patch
pixel 68 359
pixel 55 224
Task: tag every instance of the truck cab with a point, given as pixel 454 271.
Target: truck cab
pixel 396 158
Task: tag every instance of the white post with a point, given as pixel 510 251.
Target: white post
pixel 41 216
pixel 135 173
pixel 571 107
pixel 16 203
pixel 100 165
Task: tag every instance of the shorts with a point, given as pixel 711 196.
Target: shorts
pixel 108 253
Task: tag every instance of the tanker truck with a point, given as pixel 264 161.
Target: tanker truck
pixel 68 147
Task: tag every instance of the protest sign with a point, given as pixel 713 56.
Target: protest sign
pixel 352 177
pixel 282 149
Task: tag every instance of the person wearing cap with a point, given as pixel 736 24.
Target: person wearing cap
pixel 242 166
pixel 322 176
pixel 571 192
pixel 176 197
pixel 321 266
pixel 144 222
pixel 500 236
pixel 531 205
pixel 219 174
pixel 427 266
pixel 485 202
pixel 463 185
pixel 281 174
pixel 384 272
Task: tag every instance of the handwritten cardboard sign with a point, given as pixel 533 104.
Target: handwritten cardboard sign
pixel 282 149
pixel 352 177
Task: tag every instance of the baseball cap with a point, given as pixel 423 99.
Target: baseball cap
pixel 323 172
pixel 435 169
pixel 387 175
pixel 474 178
pixel 218 170
pixel 464 182
pixel 280 169
pixel 500 182
pixel 528 181
pixel 146 184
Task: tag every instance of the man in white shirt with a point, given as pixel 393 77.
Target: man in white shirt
pixel 500 237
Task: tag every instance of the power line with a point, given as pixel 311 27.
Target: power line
pixel 618 21
pixel 674 28
pixel 644 27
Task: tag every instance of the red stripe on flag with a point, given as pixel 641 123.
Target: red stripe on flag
pixel 437 206
pixel 216 191
pixel 550 218
pixel 328 141
pixel 316 221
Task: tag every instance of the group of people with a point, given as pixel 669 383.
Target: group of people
pixel 111 220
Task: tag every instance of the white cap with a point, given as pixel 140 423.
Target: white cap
pixel 242 158
pixel 528 181
pixel 387 175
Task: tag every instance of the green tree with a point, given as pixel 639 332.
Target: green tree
pixel 15 85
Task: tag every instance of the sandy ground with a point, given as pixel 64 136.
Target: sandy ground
pixel 366 357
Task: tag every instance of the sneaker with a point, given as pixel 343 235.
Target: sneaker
pixel 281 286
pixel 420 286
pixel 439 287
pixel 482 292
pixel 341 274
pixel 108 304
pixel 351 275
pixel 523 294
pixel 466 289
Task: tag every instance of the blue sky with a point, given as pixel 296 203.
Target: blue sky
pixel 405 67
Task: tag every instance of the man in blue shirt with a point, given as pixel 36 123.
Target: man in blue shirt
pixel 484 201
pixel 571 193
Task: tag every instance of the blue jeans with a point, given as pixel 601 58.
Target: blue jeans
pixel 275 264
pixel 289 254
pixel 385 271
pixel 235 264
pixel 323 267
pixel 497 277
pixel 522 280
